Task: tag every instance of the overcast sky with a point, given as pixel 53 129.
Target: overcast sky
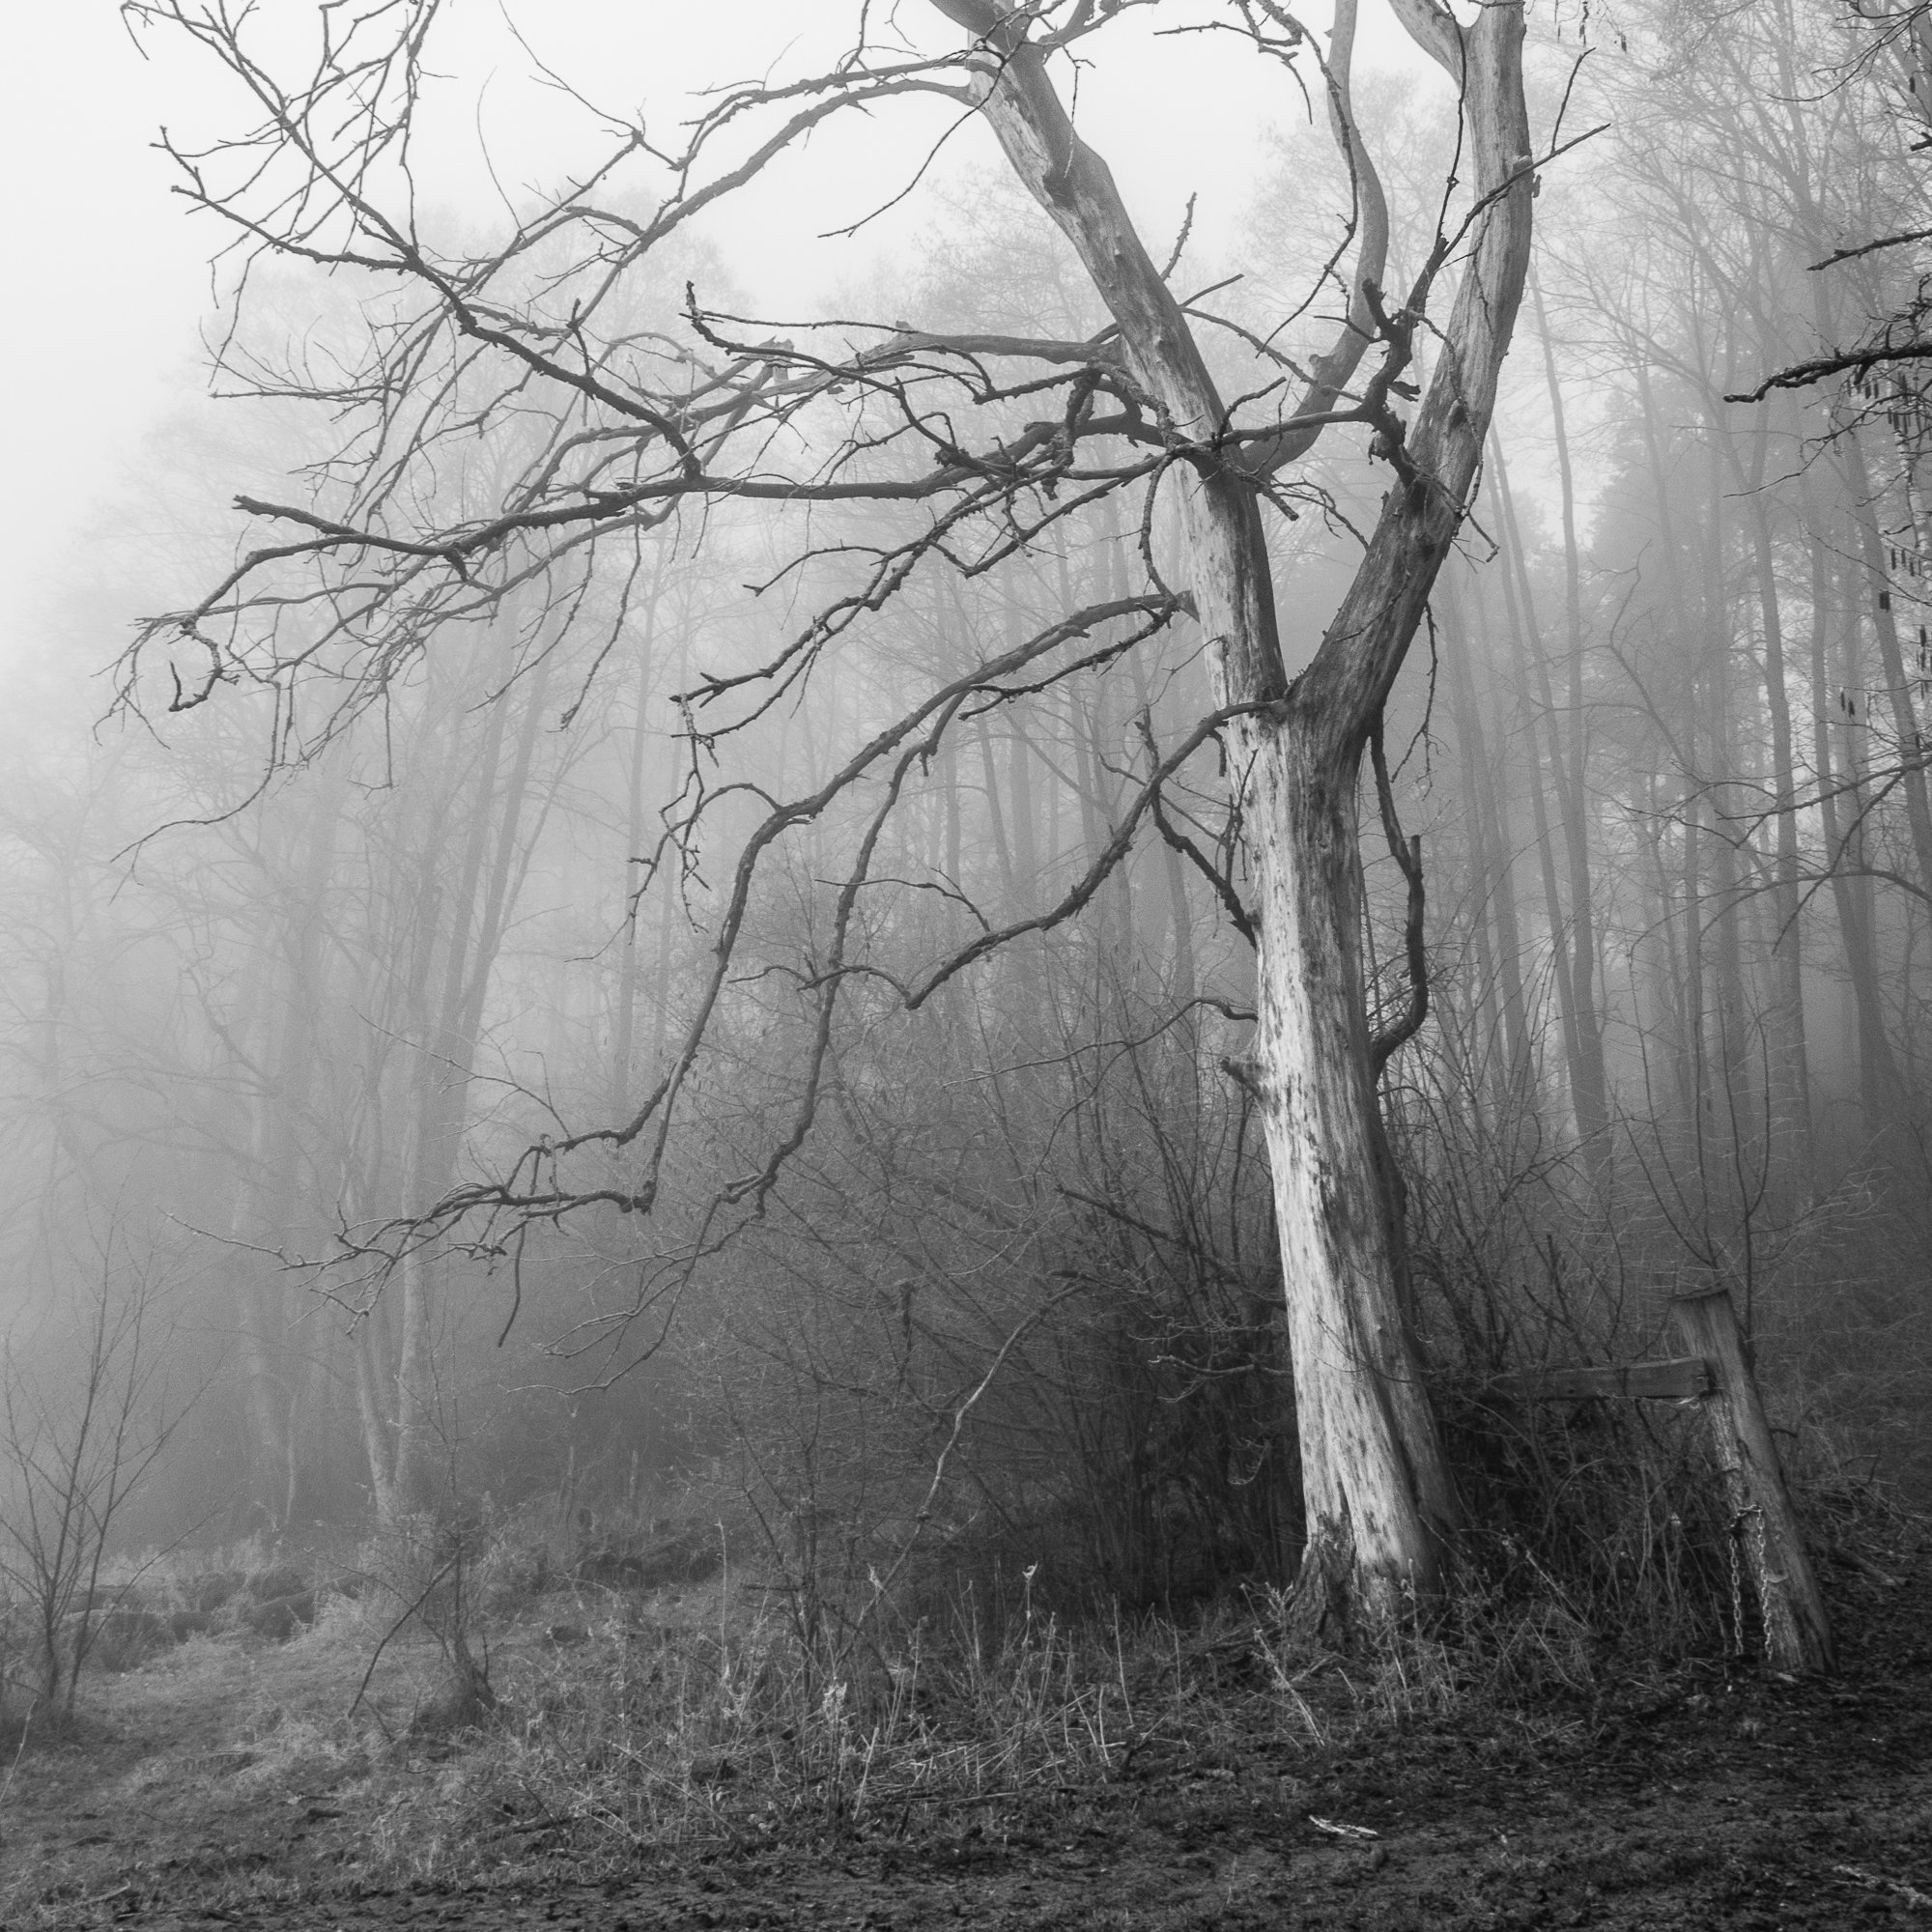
pixel 111 284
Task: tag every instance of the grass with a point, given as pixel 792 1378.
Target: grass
pixel 628 1723
pixel 661 1723
pixel 624 1723
pixel 709 1718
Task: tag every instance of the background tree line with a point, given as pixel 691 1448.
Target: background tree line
pixel 1663 749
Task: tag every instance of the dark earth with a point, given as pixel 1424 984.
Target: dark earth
pixel 1719 1796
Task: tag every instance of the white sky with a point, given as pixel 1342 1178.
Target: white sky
pixel 110 278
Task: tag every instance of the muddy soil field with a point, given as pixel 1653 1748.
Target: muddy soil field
pixel 1715 1798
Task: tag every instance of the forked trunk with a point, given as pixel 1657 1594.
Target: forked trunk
pixel 1374 1483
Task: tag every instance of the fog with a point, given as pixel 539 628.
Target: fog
pixel 522 1031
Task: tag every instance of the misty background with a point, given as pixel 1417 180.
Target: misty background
pixel 266 997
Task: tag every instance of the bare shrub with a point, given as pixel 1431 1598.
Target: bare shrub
pixel 85 1415
pixel 420 1570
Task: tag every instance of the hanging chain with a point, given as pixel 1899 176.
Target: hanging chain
pixel 1762 1578
pixel 1734 1535
pixel 1752 1513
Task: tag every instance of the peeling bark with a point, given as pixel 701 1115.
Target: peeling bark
pixel 1380 1502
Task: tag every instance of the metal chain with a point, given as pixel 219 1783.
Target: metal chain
pixel 1734 1535
pixel 1753 1512
pixel 1763 1581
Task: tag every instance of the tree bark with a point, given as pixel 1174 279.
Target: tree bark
pixel 1787 952
pixel 1891 657
pixel 624 1019
pixel 1380 1503
pixel 1493 884
pixel 1532 679
pixel 494 858
pixel 1728 811
pixel 1571 932
pixel 1570 751
pixel 1842 808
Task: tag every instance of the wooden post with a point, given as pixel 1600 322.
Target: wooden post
pixel 1797 1633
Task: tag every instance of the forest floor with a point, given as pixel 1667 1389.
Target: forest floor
pixel 219 1784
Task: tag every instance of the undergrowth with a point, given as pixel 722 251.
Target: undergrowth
pixel 629 1724
pixel 643 1728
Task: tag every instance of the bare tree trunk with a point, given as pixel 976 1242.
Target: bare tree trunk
pixel 1728 814
pixel 1787 945
pixel 1183 983
pixel 1569 751
pixel 1526 656
pixel 379 1446
pixel 477 909
pixel 1668 977
pixel 1583 1046
pixel 1374 1483
pixel 289 989
pixel 1841 807
pixel 1376 1486
pixel 1891 658
pixel 624 1023
pixel 996 818
pixel 1493 882
pixel 1024 826
pixel 1678 721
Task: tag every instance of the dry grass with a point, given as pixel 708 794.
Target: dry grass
pixel 657 1723
pixel 630 1721
pixel 623 1722
pixel 652 1723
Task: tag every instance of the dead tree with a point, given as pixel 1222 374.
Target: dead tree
pixel 654 416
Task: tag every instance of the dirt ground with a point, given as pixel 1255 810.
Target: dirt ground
pixel 198 1793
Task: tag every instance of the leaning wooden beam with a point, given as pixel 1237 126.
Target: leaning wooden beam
pixel 1796 1633
pixel 1676 1378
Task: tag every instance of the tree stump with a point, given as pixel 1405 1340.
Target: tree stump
pixel 1763 1525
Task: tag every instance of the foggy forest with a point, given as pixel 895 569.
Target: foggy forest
pixel 1022 1064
